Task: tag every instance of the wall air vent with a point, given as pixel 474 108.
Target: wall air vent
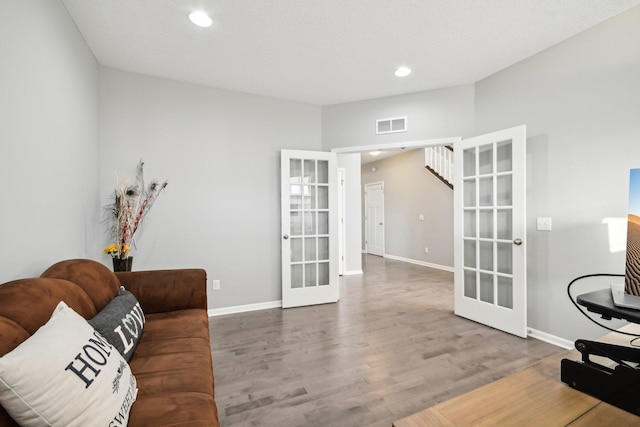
pixel 392 125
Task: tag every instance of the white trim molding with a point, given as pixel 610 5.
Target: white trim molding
pixel 423 263
pixel 551 339
pixel 352 272
pixel 212 312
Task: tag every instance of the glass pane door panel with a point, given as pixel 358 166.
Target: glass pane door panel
pixel 470 193
pixel 503 157
pixel 505 292
pixel 470 288
pixel 470 253
pixel 323 197
pixel 296 223
pixel 310 275
pixel 485 198
pixel 295 201
pixel 505 257
pixel 309 171
pixel 486 256
pixel 504 226
pixel 310 249
pixel 295 171
pixel 486 223
pixel 469 167
pixel 296 249
pixel 485 159
pixel 309 223
pixel 296 275
pixel 323 248
pixel 323 172
pixel 504 197
pixel 323 222
pixel 486 287
pixel 469 223
pixel 309 196
pixel 323 273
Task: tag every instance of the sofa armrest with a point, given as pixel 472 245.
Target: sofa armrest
pixel 160 291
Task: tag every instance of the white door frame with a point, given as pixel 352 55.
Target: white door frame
pixel 341 213
pixel 424 143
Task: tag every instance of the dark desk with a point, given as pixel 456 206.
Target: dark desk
pixel 601 302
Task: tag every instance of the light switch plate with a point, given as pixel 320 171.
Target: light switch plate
pixel 543 224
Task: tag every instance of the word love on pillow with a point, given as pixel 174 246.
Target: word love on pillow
pixel 121 322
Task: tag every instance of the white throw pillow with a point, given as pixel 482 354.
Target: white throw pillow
pixel 66 374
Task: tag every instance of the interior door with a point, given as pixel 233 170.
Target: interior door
pixel 309 228
pixel 490 230
pixel 374 219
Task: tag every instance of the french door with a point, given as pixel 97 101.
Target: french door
pixel 490 230
pixel 309 228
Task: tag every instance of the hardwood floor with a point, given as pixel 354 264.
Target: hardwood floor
pixel 390 347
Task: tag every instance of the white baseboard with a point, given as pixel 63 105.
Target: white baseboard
pixel 423 263
pixel 551 339
pixel 212 312
pixel 352 272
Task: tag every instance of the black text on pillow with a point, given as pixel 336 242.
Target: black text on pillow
pixel 121 322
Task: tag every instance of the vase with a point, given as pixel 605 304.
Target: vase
pixel 122 264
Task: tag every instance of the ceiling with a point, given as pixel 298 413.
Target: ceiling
pixel 325 52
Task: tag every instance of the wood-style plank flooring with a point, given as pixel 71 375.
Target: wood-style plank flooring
pixel 390 347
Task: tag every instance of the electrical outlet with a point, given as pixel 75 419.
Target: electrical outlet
pixel 215 284
pixel 421 217
pixel 426 250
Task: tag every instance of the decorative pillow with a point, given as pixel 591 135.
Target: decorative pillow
pixel 121 322
pixel 66 374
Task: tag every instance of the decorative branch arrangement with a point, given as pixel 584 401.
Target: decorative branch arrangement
pixel 125 215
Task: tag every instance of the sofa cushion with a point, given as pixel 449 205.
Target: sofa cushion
pixel 173 354
pixel 66 374
pixel 100 283
pixel 178 409
pixel 121 322
pixel 174 371
pixel 30 302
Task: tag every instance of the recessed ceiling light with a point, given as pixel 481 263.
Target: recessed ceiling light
pixel 200 18
pixel 402 72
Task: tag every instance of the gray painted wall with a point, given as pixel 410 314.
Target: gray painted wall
pixel 48 139
pixel 432 114
pixel 580 101
pixel 220 151
pixel 410 190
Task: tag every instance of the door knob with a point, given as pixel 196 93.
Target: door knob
pixel 517 242
pixel 285 237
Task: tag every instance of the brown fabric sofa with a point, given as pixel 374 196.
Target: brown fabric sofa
pixel 172 362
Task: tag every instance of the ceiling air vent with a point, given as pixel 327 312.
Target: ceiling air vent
pixel 395 124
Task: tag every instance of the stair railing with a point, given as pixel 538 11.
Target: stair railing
pixel 439 160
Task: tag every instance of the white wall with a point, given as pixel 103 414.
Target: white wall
pixel 220 151
pixel 48 139
pixel 580 101
pixel 410 190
